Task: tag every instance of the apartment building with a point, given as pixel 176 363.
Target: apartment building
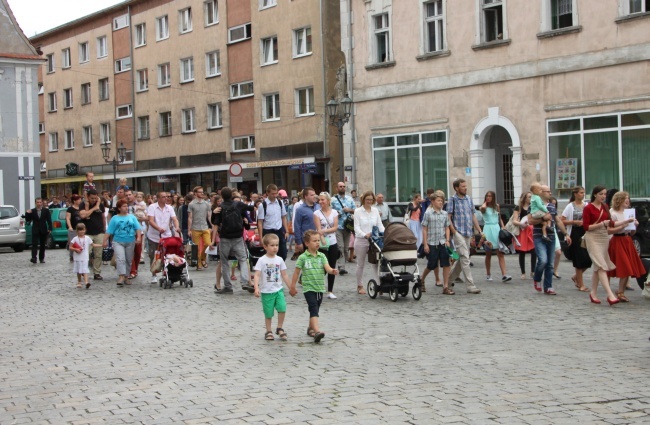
pixel 199 92
pixel 501 93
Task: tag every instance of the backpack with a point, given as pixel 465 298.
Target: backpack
pixel 231 220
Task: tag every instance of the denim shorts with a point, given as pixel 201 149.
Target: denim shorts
pixel 437 254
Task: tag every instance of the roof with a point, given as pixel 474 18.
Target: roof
pixel 13 42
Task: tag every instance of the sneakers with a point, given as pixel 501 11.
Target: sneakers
pixel 506 278
pixel 473 290
pixel 154 279
pixel 489 278
pixel 224 291
pixel 331 296
pixel 537 286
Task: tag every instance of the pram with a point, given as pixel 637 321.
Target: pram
pixel 174 271
pixel 399 250
pixel 254 246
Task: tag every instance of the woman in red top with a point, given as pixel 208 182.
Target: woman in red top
pixel 597 224
pixel 621 247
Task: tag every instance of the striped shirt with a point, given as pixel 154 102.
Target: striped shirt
pixel 462 214
pixel 537 229
pixel 313 271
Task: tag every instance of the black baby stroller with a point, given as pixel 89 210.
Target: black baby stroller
pixel 399 250
pixel 175 267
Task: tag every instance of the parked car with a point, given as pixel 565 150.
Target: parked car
pixel 397 212
pixel 642 236
pixel 59 235
pixel 12 228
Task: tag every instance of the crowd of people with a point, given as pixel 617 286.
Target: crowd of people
pixel 325 231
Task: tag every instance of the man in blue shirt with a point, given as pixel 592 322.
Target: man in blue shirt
pixel 304 216
pixel 272 218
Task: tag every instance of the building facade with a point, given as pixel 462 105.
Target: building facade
pixel 501 93
pixel 19 145
pixel 191 87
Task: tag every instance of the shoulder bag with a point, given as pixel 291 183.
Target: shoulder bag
pixel 511 227
pixel 348 224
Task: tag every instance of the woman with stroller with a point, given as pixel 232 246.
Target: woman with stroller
pixel 327 222
pixel 492 225
pixel 365 218
pixel 126 232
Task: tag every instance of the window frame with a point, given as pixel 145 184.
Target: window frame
pixel 186 78
pixel 68 136
pixel 185 114
pixel 164 66
pixel 214 15
pixel 217 72
pixel 102 47
pixel 308 113
pixel 84 52
pixel 267 4
pixel 53 141
pixel 626 10
pixel 87 135
pixel 140 35
pixel 269 44
pixel 139 87
pixel 168 116
pixel 120 22
pixel 105 133
pixel 41 127
pixel 440 23
pixel 129 111
pixel 239 86
pixel 247 33
pixel 484 6
pixel 122 66
pixel 275 116
pixel 384 32
pixel 185 20
pixel 101 84
pixel 159 27
pixel 297 42
pixel 51 102
pixel 66 58
pixel 144 119
pixel 50 63
pixel 217 107
pixel 85 94
pixel 250 142
pixel 68 99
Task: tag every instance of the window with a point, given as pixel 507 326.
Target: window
pixel 409 163
pixel 50 63
pixel 41 89
pixel 165 123
pixel 124 111
pixel 143 128
pixel 120 22
pixel 187 70
pixel 67 98
pixel 69 139
pixel 41 128
pixel 103 88
pixel 267 3
pixel 240 33
pixel 164 75
pixel 238 90
pixel 84 52
pixel 434 26
pixel 51 102
pixel 638 6
pixel 305 101
pixel 492 25
pixel 211 12
pixel 214 115
pixel 212 64
pixel 271 107
pixel 140 35
pixel 188 121
pixel 382 38
pixel 104 133
pixel 269 50
pixel 302 42
pixel 185 20
pixel 85 93
pixel 560 14
pixel 142 80
pixel 128 156
pixel 53 142
pixel 123 64
pixel 102 47
pixel 162 28
pixel 243 144
pixel 65 58
pixel 87 135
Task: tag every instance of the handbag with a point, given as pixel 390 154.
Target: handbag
pixel 348 224
pixel 512 227
pixel 324 242
pixel 107 253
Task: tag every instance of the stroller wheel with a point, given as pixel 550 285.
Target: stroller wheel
pixel 191 283
pixel 372 289
pixel 417 292
pixel 393 294
pixel 161 282
pixel 404 292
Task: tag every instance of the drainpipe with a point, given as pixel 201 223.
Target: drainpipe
pixel 351 95
pixel 326 132
pixel 132 91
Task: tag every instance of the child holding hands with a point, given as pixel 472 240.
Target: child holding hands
pixel 312 264
pixel 80 245
pixel 270 272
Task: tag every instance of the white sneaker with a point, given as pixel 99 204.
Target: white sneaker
pixel 154 279
pixel 489 278
pixel 506 278
pixel 331 296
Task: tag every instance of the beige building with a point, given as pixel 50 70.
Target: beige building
pixel 499 92
pixel 190 87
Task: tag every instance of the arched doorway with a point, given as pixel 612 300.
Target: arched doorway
pixel 495 158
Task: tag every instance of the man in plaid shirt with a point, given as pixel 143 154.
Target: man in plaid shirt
pixel 461 214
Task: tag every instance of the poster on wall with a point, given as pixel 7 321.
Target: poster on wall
pixel 566 173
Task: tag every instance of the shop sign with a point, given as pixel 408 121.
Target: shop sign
pixel 71 169
pixel 167 179
pixel 277 163
pixel 236 179
pixel 302 166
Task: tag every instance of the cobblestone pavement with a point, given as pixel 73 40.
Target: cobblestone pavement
pixel 140 354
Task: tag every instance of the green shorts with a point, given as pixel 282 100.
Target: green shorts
pixel 274 301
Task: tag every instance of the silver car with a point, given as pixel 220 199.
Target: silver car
pixel 12 228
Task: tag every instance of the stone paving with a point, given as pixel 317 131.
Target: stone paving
pixel 140 354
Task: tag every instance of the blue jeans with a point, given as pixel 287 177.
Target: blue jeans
pixel 545 252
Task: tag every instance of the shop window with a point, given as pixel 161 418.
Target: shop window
pixel 636 173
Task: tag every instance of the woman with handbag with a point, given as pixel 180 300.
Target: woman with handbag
pixel 326 221
pixel 525 237
pixel 572 219
pixel 598 226
pixel 413 212
pixel 621 248
pixel 491 227
pixel 126 232
pixel 365 218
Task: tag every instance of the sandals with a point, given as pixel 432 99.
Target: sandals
pixel 311 332
pixel 78 285
pixel 132 276
pixel 318 336
pixel 360 290
pixel 422 287
pixel 87 285
pixel 281 333
pixel 204 264
pixel 268 336
pixel 621 296
pixel 448 291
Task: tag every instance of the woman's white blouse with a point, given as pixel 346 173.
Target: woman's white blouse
pixel 364 221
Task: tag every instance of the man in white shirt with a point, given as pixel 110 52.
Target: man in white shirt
pixel 272 218
pixel 383 209
pixel 161 216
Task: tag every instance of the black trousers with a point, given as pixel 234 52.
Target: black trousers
pixel 282 251
pixel 332 253
pixel 38 244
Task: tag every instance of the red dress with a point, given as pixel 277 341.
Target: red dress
pixel 623 254
pixel 525 237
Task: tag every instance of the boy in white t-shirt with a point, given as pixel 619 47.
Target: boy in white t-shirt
pixel 270 272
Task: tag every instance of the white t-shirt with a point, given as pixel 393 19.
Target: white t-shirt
pixel 85 244
pixel 327 222
pixel 271 273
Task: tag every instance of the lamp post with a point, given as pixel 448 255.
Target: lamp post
pixel 118 159
pixel 339 114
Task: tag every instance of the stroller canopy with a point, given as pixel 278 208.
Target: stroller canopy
pixel 398 237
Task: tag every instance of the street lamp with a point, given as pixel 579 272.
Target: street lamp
pixel 121 156
pixel 339 114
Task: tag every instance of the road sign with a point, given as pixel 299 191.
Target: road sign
pixel 25 177
pixel 236 179
pixel 310 171
pixel 306 166
pixel 235 169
